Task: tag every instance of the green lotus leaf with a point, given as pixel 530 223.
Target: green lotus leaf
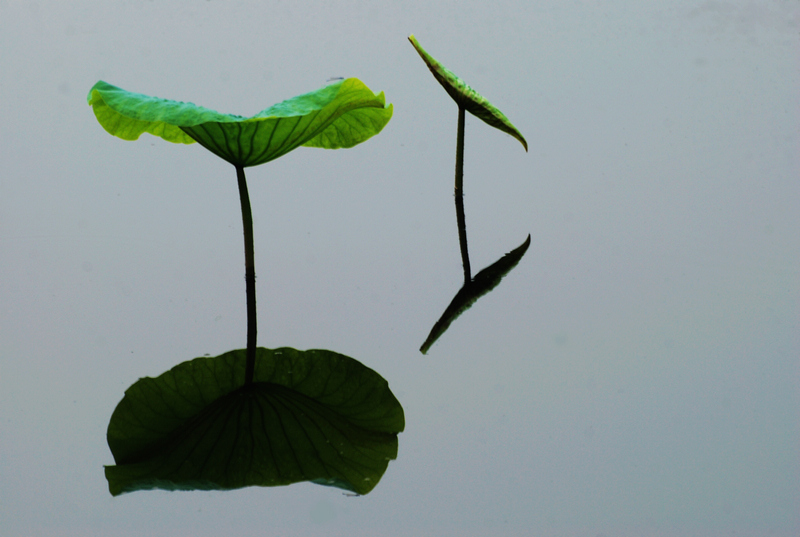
pixel 307 416
pixel 340 115
pixel 475 103
pixel 482 283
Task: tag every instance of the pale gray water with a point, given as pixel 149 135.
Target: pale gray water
pixel 637 374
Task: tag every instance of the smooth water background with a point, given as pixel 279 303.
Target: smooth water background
pixel 636 375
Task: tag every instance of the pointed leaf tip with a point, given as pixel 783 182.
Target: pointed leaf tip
pixel 472 101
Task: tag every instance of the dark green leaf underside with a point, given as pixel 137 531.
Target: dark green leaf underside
pixel 482 283
pixel 474 103
pixel 308 416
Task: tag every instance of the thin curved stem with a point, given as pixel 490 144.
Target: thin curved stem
pixel 249 275
pixel 459 195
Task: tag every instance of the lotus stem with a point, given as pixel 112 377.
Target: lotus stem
pixel 459 195
pixel 249 275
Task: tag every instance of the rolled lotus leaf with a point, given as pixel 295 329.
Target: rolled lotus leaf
pixel 466 97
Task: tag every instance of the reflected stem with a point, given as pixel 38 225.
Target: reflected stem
pixel 249 275
pixel 459 195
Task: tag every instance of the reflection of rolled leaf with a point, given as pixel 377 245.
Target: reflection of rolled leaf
pixel 482 283
pixel 308 416
pixel 466 97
